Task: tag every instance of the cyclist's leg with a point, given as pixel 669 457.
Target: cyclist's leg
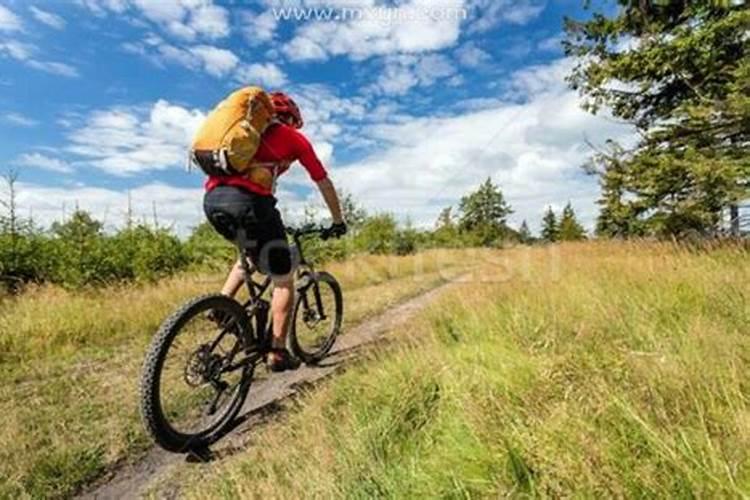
pixel 281 307
pixel 234 281
pixel 275 258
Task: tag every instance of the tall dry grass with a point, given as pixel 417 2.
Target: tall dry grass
pixel 592 370
pixel 70 363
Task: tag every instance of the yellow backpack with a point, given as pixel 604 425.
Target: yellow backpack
pixel 231 134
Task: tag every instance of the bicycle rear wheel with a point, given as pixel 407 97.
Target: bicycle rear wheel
pixel 194 382
pixel 317 317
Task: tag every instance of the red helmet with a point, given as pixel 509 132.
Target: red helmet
pixel 283 104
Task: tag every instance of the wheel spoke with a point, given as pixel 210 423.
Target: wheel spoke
pixel 317 319
pixel 196 389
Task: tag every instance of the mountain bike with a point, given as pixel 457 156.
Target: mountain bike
pixel 201 362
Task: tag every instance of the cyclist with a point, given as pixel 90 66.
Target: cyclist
pixel 251 201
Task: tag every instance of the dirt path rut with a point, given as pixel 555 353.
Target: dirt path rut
pixel 263 402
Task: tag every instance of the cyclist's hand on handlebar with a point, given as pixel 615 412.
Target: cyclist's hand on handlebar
pixel 335 231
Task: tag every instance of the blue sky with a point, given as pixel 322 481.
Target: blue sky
pixel 410 104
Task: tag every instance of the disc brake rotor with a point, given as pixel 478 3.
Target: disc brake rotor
pixel 311 318
pixel 203 366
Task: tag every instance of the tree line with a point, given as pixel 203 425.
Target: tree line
pixel 78 252
pixel 482 220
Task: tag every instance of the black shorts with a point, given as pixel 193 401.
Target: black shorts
pixel 252 221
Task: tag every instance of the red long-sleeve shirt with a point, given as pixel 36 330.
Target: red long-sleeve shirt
pixel 283 145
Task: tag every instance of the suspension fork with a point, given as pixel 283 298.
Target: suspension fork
pixel 312 283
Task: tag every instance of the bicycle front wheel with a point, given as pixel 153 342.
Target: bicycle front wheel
pixel 317 317
pixel 194 379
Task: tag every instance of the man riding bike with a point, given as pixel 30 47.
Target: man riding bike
pixel 250 200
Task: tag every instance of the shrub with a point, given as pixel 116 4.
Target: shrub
pixel 377 235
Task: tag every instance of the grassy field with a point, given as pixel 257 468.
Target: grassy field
pixel 593 370
pixel 70 364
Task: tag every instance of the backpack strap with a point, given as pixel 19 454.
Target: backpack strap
pixel 213 162
pixel 260 177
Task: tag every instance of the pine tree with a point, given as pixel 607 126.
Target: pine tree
pixel 524 234
pixel 354 215
pixel 446 232
pixel 684 82
pixel 570 229
pixel 484 213
pixel 445 219
pixel 550 229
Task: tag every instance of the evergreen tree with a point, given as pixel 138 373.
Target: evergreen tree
pixel 570 229
pixel 354 215
pixel 680 72
pixel 550 229
pixel 446 231
pixel 445 219
pixel 79 227
pixel 524 234
pixel 484 213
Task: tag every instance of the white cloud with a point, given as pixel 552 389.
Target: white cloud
pixel 432 67
pixel 267 74
pixel 396 79
pixel 100 7
pixel 216 61
pixel 8 20
pixel 533 149
pixel 551 44
pixel 470 55
pixel 17 50
pixel 377 28
pixel 405 28
pixel 19 120
pixel 127 140
pixel 38 160
pixel 179 208
pixel 488 14
pixel 24 52
pixel 210 20
pixel 187 19
pixel 404 72
pixel 55 68
pixel 48 18
pixel 258 28
pixel 323 111
pixel 538 79
pixel 213 60
pixel 303 48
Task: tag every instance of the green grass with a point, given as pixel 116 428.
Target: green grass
pixel 70 364
pixel 590 370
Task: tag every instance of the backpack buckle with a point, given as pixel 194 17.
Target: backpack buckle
pixel 214 163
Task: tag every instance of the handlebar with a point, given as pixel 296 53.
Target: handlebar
pixel 306 230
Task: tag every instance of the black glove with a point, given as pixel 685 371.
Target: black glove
pixel 335 231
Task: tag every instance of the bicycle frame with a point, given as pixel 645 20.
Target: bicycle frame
pixel 260 307
pixel 302 268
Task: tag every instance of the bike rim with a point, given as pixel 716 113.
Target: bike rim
pixel 316 323
pixel 195 394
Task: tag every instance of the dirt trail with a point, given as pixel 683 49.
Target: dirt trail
pixel 263 402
